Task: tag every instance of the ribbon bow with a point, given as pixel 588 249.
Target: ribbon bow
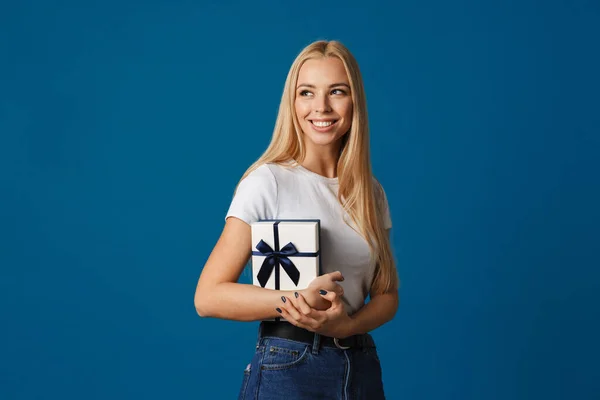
pixel 275 259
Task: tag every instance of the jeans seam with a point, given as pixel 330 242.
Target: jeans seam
pixel 245 385
pixel 277 349
pixel 284 339
pixel 275 367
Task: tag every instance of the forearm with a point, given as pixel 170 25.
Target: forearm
pixel 240 302
pixel 375 313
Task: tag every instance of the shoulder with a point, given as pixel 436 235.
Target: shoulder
pixel 378 188
pixel 261 176
pixel 262 172
pixel 255 197
pixel 382 202
pixel 274 173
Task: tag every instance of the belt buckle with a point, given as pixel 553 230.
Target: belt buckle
pixel 336 341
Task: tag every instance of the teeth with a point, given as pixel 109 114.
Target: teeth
pixel 322 124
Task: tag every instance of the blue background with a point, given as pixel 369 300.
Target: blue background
pixel 125 126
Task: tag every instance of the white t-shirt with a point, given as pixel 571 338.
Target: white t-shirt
pixel 274 191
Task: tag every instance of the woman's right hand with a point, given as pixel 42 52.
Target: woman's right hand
pixel 327 282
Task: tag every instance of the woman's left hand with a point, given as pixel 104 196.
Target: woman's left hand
pixel 333 322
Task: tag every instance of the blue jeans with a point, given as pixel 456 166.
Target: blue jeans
pixel 291 370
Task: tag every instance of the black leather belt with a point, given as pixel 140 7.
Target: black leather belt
pixel 285 330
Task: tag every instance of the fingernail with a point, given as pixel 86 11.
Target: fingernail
pixel 322 291
pixel 296 294
pixel 278 310
pixel 283 298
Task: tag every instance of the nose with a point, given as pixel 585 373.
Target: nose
pixel 322 104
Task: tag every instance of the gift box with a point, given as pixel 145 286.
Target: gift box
pixel 285 254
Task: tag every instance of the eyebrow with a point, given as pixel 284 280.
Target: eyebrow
pixel 330 86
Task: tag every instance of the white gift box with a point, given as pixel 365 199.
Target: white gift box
pixel 285 253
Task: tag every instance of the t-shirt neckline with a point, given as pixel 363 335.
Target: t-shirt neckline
pixel 315 175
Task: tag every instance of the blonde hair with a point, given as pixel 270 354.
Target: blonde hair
pixel 359 193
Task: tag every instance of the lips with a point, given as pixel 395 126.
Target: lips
pixel 323 123
pixel 323 126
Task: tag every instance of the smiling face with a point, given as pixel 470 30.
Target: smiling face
pixel 323 102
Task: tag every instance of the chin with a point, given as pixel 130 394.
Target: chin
pixel 322 140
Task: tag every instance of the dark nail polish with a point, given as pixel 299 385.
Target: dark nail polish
pixel 296 294
pixel 283 298
pixel 278 310
pixel 322 291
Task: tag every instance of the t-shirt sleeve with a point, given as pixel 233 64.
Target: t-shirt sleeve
pixel 384 206
pixel 256 197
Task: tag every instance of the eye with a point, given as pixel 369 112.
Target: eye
pixel 304 93
pixel 338 91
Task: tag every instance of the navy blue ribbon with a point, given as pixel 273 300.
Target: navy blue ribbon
pixel 278 257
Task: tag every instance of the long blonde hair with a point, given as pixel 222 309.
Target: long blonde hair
pixel 359 193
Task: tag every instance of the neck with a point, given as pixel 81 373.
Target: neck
pixel 322 164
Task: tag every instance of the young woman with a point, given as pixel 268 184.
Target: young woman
pixel 317 166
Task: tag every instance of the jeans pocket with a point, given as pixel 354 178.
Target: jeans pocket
pixel 245 380
pixel 283 354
